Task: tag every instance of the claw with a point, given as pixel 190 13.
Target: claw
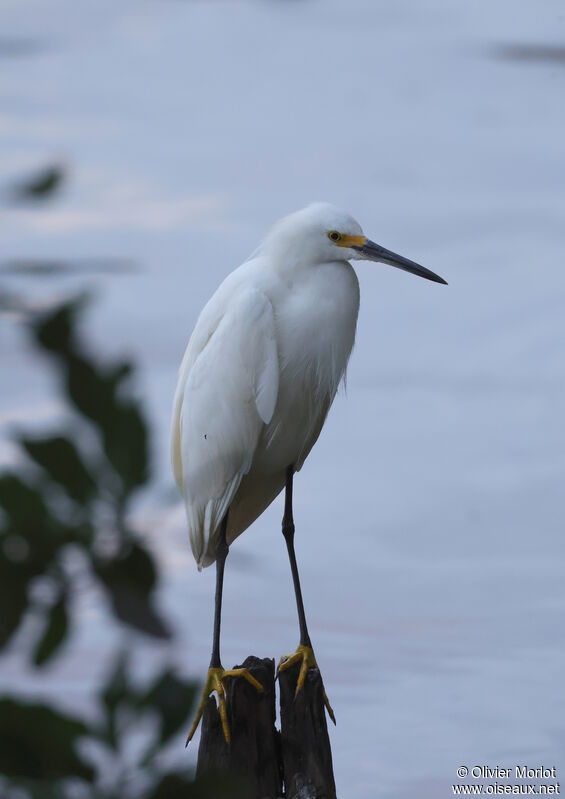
pixel 246 676
pixel 329 708
pixel 305 655
pixel 214 682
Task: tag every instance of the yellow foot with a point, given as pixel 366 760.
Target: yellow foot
pixel 308 658
pixel 215 682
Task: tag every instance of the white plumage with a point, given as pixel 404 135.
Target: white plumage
pixel 262 368
pixel 259 375
pixel 260 372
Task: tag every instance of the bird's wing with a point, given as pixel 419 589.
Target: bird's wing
pixel 227 392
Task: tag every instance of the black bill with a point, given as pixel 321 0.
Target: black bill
pixel 374 252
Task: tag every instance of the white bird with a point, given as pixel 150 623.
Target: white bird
pixel 257 380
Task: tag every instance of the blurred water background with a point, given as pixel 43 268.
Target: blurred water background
pixel 430 513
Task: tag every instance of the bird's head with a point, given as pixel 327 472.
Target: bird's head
pixel 321 232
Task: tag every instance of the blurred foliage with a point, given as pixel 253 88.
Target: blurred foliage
pixel 37 189
pixel 37 267
pixel 65 506
pixel 73 494
pixel 41 186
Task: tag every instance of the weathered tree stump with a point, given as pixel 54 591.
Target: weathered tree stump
pixel 305 743
pixel 299 757
pixel 253 753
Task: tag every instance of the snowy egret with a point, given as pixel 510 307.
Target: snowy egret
pixel 257 380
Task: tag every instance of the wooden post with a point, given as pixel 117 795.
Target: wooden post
pixel 298 757
pixel 253 752
pixel 305 743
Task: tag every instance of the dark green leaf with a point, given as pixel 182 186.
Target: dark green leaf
pixel 130 579
pixel 178 785
pixel 14 580
pixel 126 446
pixel 117 688
pixel 136 610
pixel 30 542
pixel 42 184
pixel 172 699
pixel 90 390
pixel 172 786
pixel 98 394
pixel 117 692
pixel 22 503
pixel 54 331
pixel 134 567
pixel 37 742
pixel 28 517
pixel 56 629
pixel 35 789
pixel 139 567
pixel 64 465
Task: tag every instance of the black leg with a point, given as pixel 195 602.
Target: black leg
pixel 216 674
pixel 221 555
pixel 288 532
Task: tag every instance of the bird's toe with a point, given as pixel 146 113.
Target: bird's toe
pixel 215 682
pixel 307 659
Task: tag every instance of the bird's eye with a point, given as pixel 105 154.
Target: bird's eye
pixel 334 235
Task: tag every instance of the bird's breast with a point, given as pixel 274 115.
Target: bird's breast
pixel 316 320
pixel 316 323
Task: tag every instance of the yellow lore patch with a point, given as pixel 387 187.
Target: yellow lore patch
pixel 343 240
